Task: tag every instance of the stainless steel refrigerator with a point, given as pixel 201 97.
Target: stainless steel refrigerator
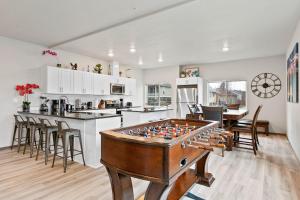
pixel 186 94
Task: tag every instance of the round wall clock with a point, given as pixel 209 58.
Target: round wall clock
pixel 266 85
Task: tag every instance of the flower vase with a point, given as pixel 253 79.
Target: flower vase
pixel 26 107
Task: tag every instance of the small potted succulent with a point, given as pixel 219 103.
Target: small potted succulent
pixel 26 90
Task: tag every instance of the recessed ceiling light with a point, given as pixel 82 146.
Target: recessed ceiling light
pixel 132 50
pixel 141 61
pixel 110 53
pixel 225 46
pixel 225 49
pixel 160 58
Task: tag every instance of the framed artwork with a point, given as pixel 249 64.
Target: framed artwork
pixel 292 75
pixel 192 72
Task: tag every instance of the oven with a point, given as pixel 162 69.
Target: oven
pixel 117 89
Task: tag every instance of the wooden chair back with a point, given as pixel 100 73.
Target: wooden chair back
pixel 214 113
pixel 255 117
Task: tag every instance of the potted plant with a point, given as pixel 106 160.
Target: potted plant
pixel 26 90
pixel 98 68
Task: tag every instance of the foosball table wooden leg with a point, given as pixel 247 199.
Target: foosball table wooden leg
pixel 205 178
pixel 229 143
pixel 157 191
pixel 121 185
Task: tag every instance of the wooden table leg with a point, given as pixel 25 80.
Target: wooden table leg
pixel 121 185
pixel 205 178
pixel 157 191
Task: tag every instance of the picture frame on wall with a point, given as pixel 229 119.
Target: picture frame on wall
pixel 192 72
pixel 293 75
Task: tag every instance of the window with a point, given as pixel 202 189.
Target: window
pixel 227 92
pixel 158 95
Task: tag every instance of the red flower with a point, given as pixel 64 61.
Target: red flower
pixel 26 89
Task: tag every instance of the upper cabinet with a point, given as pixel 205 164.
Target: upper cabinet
pixel 130 87
pixel 101 84
pixel 83 82
pixel 65 81
pixel 187 81
pixel 57 81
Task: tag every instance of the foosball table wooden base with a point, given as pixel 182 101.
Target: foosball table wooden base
pixel 123 190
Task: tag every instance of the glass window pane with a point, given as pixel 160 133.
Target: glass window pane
pixel 237 93
pixel 217 93
pixel 227 92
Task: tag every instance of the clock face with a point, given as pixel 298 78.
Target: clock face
pixel 266 85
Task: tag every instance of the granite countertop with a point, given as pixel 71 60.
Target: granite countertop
pixel 142 110
pixel 74 115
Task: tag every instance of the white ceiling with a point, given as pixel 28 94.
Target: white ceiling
pixel 183 31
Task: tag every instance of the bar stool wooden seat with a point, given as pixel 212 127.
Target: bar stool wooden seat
pixel 244 128
pixel 46 129
pixel 67 136
pixel 20 124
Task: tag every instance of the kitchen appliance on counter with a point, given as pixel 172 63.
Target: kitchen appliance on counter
pixel 55 106
pixel 78 104
pixel 69 107
pixel 62 106
pixel 90 105
pixel 117 89
pixel 129 104
pixel 111 104
pixel 121 104
pixel 44 106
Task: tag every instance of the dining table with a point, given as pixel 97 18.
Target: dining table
pixel 230 116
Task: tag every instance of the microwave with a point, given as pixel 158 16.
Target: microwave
pixel 118 89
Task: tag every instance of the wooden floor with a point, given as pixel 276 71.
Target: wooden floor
pixel 273 174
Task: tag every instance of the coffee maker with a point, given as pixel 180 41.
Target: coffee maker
pixel 44 106
pixel 55 106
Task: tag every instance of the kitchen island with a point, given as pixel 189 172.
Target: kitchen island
pixel 90 124
pixel 141 115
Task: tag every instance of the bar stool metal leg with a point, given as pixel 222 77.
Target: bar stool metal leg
pixel 65 149
pixel 20 132
pixel 81 148
pixel 14 137
pixel 46 145
pixel 55 150
pixel 71 139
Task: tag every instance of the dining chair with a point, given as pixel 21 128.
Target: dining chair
pixel 214 113
pixel 244 128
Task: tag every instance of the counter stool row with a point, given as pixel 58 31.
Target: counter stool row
pixel 44 129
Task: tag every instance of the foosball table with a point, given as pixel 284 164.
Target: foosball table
pixel 161 152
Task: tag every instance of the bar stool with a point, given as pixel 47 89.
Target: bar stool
pixel 67 135
pixel 45 130
pixel 32 125
pixel 20 123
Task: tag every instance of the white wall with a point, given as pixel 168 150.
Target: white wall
pixel 19 62
pixel 293 109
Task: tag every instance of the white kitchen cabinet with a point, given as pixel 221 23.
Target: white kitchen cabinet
pixel 101 84
pixel 130 87
pixel 57 80
pixel 83 82
pixel 187 81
